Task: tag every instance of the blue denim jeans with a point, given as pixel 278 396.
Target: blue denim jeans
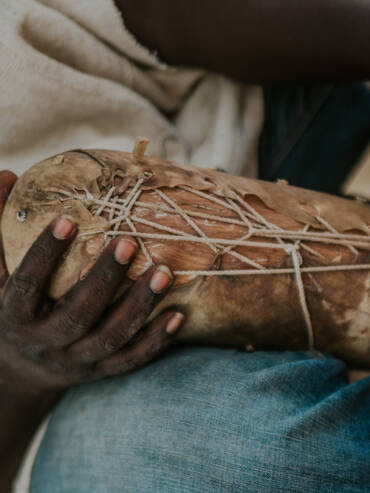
pixel 205 420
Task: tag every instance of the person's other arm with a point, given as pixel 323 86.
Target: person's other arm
pixel 258 40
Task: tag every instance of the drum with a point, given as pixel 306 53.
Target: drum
pixel 258 265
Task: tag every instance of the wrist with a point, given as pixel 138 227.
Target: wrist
pixel 34 403
pixel 21 414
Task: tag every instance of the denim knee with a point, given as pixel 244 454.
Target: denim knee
pixel 209 420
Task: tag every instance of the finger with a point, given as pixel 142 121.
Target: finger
pixel 154 340
pixel 83 306
pixel 126 318
pixel 30 280
pixel 7 180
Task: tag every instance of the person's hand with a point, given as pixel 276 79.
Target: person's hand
pixel 48 346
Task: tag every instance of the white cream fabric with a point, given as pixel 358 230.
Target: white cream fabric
pixel 72 76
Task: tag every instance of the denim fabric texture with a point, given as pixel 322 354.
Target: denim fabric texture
pixel 205 420
pixel 314 135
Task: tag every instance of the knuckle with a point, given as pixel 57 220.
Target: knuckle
pixel 25 286
pixel 112 342
pixel 71 324
pixel 128 363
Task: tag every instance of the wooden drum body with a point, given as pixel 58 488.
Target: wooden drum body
pixel 257 264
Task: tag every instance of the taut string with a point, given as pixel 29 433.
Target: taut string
pixel 121 211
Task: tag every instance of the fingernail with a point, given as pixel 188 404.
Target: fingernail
pixel 125 249
pixel 174 323
pixel 63 227
pixel 160 279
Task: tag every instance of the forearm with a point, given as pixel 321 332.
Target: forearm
pixel 258 40
pixel 19 421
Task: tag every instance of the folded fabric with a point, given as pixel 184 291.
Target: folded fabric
pixel 72 76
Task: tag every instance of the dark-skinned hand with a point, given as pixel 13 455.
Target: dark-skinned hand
pixel 48 346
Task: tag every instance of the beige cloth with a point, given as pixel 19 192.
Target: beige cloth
pixel 72 76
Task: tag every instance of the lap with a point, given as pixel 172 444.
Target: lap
pixel 211 420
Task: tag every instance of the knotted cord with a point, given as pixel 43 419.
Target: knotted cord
pixel 121 211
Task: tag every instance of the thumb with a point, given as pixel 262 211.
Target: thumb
pixel 7 180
